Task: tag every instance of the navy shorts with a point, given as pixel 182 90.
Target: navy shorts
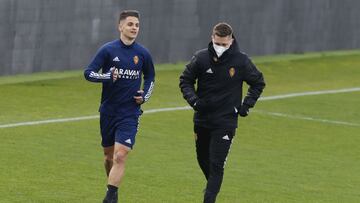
pixel 118 129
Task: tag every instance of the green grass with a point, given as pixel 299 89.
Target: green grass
pixel 273 159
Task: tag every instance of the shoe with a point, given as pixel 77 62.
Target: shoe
pixel 209 197
pixel 111 198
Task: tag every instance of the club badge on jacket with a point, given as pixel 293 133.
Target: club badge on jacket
pixel 232 72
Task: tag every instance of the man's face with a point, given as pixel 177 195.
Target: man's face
pixel 222 41
pixel 129 27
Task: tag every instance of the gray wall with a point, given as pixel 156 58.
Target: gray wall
pixel 42 35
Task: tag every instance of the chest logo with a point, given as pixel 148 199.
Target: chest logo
pixel 136 60
pixel 232 72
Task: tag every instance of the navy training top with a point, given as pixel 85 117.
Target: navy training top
pixel 132 61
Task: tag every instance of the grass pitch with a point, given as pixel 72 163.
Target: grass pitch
pixel 281 157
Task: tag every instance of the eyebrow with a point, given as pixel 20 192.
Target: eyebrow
pixel 221 44
pixel 133 23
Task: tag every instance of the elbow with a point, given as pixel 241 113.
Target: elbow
pixel 87 75
pixel 263 84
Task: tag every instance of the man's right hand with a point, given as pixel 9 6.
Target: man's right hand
pixel 115 73
pixel 201 105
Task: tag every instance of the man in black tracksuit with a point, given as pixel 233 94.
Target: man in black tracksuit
pixel 219 72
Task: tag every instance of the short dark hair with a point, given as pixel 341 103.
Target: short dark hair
pixel 126 13
pixel 222 30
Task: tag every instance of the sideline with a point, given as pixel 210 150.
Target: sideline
pixel 276 97
pixel 307 118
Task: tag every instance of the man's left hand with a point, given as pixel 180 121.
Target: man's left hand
pixel 244 110
pixel 139 99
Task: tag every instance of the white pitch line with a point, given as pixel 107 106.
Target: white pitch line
pixel 62 120
pixel 276 97
pixel 167 109
pixel 307 118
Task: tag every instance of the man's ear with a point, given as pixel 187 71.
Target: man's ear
pixel 232 40
pixel 120 26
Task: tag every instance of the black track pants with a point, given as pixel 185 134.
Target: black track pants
pixel 212 148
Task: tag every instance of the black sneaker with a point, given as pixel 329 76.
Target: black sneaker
pixel 111 198
pixel 209 197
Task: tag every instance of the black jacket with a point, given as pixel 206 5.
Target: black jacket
pixel 219 85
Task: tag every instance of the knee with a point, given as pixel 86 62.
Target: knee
pixel 217 166
pixel 119 157
pixel 108 157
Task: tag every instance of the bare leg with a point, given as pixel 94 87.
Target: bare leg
pixel 108 159
pixel 118 167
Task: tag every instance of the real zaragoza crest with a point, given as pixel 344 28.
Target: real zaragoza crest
pixel 136 60
pixel 232 72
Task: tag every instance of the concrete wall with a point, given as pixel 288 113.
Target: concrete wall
pixel 43 35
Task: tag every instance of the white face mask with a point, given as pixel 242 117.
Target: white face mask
pixel 219 49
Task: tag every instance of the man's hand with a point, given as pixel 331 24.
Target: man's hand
pixel 201 105
pixel 139 99
pixel 115 73
pixel 244 110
